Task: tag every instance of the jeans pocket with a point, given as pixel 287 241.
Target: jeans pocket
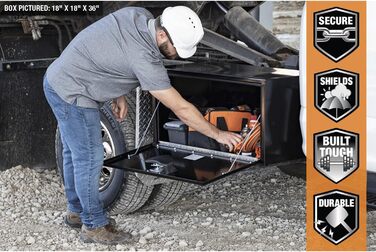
pixel 91 117
pixel 61 110
pixel 59 107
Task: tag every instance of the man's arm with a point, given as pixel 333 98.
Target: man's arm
pixel 193 118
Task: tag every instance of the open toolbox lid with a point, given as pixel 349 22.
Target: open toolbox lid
pixel 229 72
pixel 181 162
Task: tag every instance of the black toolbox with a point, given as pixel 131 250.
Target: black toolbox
pixel 274 91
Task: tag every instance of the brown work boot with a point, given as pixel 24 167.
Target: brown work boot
pixel 73 220
pixel 106 235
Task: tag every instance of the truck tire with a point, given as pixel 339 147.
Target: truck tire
pixel 164 195
pixel 120 191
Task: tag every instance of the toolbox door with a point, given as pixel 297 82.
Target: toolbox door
pixel 180 164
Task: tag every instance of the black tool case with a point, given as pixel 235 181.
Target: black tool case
pixel 275 92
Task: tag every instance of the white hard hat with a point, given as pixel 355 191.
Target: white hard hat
pixel 184 29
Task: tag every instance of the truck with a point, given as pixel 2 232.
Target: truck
pixel 241 75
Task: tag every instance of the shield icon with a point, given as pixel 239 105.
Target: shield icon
pixel 336 32
pixel 336 154
pixel 336 215
pixel 336 93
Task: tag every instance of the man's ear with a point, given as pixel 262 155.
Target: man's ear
pixel 161 35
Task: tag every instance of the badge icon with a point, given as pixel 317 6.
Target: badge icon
pixel 336 32
pixel 336 215
pixel 336 154
pixel 336 93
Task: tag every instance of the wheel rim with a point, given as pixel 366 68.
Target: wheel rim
pixel 107 174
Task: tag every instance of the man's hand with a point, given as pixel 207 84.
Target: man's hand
pixel 229 139
pixel 119 108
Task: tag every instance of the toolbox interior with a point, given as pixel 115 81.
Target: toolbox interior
pixel 188 162
pixel 204 94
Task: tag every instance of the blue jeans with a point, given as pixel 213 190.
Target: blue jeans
pixel 80 133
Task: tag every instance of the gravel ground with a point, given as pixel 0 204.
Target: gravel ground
pixel 256 209
pixel 371 230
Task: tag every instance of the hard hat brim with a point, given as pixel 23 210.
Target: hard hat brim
pixel 186 53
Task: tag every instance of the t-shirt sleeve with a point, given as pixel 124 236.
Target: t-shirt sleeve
pixel 151 74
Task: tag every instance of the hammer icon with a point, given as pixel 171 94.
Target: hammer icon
pixel 337 217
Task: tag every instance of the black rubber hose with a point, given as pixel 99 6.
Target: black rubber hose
pixel 223 8
pixel 60 37
pixel 247 29
pixel 2 52
pixel 65 25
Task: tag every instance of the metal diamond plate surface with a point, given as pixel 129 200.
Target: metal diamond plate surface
pixel 144 112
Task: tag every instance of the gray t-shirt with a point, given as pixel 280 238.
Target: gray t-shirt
pixel 108 59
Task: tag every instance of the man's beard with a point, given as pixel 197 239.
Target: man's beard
pixel 163 48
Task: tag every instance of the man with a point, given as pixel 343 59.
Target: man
pixel 103 62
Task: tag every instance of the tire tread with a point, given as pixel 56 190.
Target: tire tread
pixel 164 195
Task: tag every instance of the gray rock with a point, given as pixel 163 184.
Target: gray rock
pixel 142 240
pixel 134 233
pixel 205 224
pixel 30 240
pixel 145 230
pixel 183 244
pixel 169 243
pixel 199 244
pixel 120 247
pixel 149 236
pixel 246 234
pixel 72 236
pixel 259 231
